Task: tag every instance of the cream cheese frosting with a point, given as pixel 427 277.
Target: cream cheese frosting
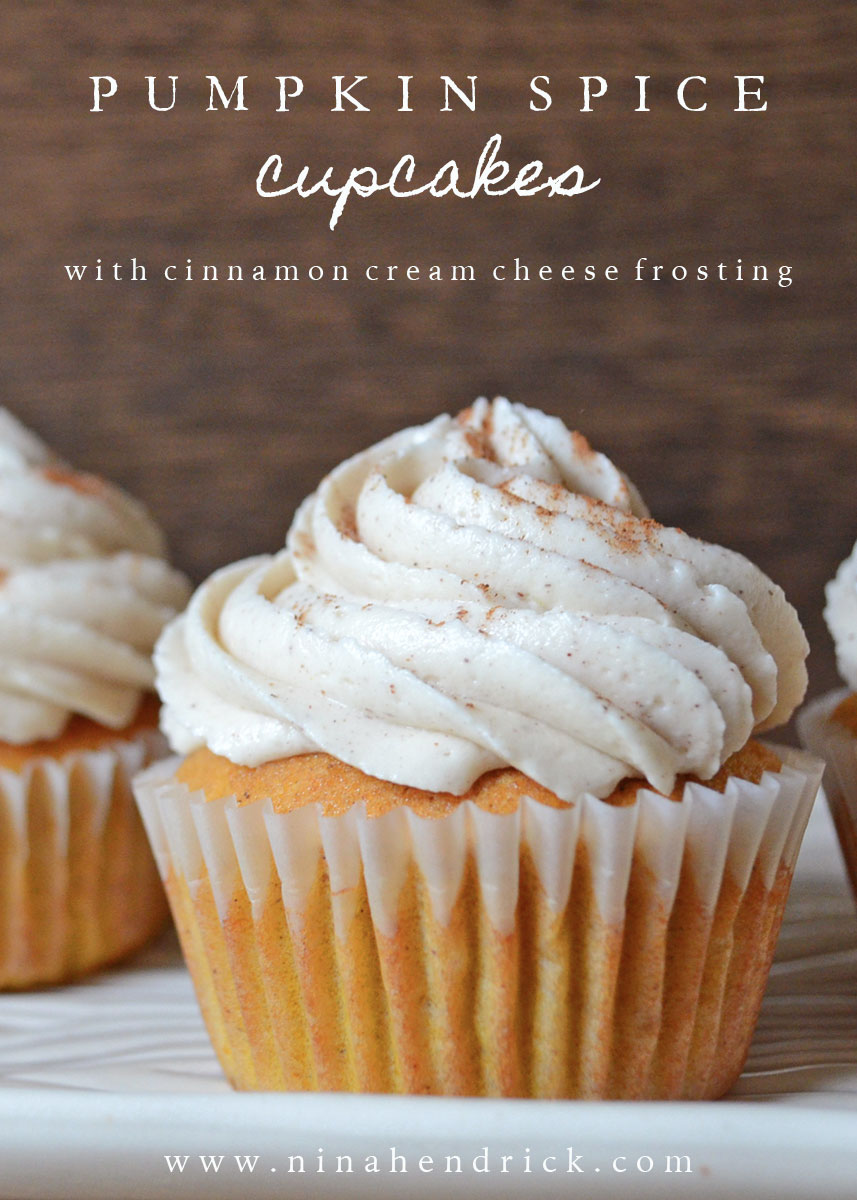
pixel 841 615
pixel 84 593
pixel 478 592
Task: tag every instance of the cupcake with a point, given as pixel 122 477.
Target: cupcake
pixel 466 798
pixel 828 725
pixel 84 593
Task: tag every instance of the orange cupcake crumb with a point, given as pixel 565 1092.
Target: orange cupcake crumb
pixel 845 713
pixel 77 481
pixel 292 783
pixel 80 734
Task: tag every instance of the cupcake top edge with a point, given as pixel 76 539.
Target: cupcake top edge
pixel 84 593
pixel 478 592
pixel 840 613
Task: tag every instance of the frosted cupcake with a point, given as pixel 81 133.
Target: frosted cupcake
pixel 84 593
pixel 468 801
pixel 828 725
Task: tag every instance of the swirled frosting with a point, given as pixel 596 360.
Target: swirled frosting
pixel 478 592
pixel 841 615
pixel 84 593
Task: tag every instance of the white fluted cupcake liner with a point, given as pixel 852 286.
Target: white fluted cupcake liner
pixel 594 950
pixel 78 885
pixel 838 747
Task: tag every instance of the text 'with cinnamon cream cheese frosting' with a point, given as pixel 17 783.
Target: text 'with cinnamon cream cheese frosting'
pixel 479 592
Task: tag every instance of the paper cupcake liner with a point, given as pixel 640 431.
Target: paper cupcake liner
pixel 838 747
pixel 78 885
pixel 590 951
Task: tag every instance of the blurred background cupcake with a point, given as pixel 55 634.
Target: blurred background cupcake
pixel 469 801
pixel 84 593
pixel 828 726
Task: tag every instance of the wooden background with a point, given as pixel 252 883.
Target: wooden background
pixel 732 406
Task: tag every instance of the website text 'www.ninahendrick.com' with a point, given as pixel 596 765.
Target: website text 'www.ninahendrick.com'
pixel 389 1160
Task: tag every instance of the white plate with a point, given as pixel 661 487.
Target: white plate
pixel 101 1081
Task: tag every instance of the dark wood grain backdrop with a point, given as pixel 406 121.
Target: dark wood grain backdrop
pixel 221 405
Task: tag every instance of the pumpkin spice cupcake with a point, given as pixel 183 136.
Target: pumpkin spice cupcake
pixel 468 800
pixel 84 593
pixel 828 725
